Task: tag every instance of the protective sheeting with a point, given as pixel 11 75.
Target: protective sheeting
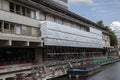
pixel 60 35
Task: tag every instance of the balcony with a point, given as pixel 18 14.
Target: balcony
pixel 19 19
pixel 19 40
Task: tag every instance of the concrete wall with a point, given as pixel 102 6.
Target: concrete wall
pixel 15 37
pixel 61 35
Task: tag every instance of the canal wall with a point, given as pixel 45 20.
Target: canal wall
pixel 109 62
pixel 59 68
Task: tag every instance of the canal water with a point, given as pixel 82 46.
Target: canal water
pixel 109 72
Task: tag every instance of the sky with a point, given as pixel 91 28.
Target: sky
pixel 106 10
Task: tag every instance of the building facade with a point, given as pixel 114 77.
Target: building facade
pixel 35 31
pixel 106 40
pixel 117 33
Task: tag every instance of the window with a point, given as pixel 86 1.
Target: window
pixel 26 30
pixel 0 26
pixel 18 29
pixel 12 26
pixel 37 16
pixel 16 55
pixel 80 27
pixel 58 20
pixel 50 17
pixel 87 29
pixel 6 27
pixel 10 78
pixel 12 7
pixel 33 14
pixel 35 31
pixel 42 15
pixel 23 11
pixel 107 37
pixel 67 23
pixel 18 9
pixel 28 12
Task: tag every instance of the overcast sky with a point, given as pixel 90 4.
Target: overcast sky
pixel 106 10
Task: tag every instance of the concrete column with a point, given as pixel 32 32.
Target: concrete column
pixel 2 26
pixel 70 76
pixel 39 55
pixel 28 43
pixel 10 43
pixel 77 76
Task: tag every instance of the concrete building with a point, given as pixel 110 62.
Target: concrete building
pixel 35 31
pixel 117 33
pixel 118 39
pixel 106 40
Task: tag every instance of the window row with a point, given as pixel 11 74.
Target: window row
pixel 105 37
pixel 41 15
pixel 13 28
pixel 22 10
pixel 65 22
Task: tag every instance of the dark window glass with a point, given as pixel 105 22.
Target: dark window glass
pixel 12 27
pixel 10 56
pixel 10 78
pixel 18 9
pixel 6 27
pixel 23 11
pixel 0 26
pixel 28 12
pixel 12 7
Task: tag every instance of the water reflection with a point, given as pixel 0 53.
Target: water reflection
pixel 109 72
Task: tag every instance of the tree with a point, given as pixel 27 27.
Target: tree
pixel 100 23
pixel 113 38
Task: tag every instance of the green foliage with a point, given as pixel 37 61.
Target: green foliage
pixel 100 23
pixel 113 38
